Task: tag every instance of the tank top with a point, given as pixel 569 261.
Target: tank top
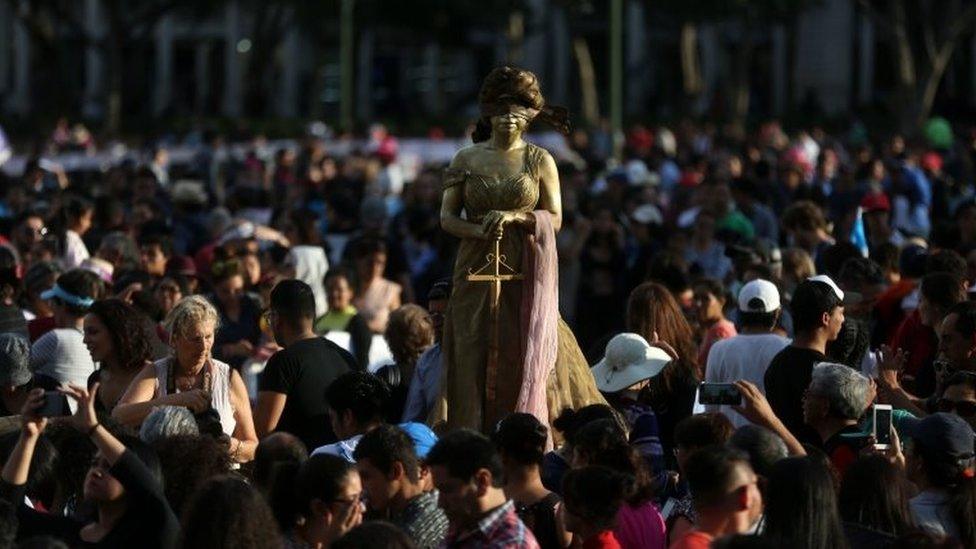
pixel 219 389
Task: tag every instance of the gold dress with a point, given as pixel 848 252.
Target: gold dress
pixel 467 329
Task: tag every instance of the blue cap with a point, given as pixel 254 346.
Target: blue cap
pixel 57 291
pixel 947 434
pixel 423 438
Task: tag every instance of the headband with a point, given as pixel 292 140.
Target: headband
pixel 57 291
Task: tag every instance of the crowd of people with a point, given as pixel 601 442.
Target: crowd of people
pixel 245 352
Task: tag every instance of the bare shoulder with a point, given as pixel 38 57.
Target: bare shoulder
pixel 462 159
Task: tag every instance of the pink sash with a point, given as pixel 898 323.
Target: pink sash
pixel 540 314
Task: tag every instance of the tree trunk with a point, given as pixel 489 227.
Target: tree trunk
pixel 939 64
pixel 516 36
pixel 692 82
pixel 740 82
pixel 907 75
pixel 591 103
pixel 113 117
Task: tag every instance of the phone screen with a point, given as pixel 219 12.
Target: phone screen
pixel 719 393
pixel 882 425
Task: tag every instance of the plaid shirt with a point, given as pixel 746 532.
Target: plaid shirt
pixel 499 529
pixel 423 521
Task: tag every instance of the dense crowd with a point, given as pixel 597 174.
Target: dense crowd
pixel 245 351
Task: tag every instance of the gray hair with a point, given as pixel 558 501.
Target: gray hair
pixel 845 389
pixel 190 311
pixel 168 421
pixel 764 447
pixel 122 244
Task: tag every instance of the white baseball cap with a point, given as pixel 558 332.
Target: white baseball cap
pixel 848 298
pixel 759 296
pixel 629 359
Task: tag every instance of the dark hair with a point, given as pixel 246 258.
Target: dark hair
pixel 702 430
pixel 946 261
pixel 943 289
pixel 961 378
pixel 801 506
pixel 803 215
pixel 8 524
pixel 81 283
pixel 752 319
pixel 157 238
pixel 742 541
pixel 304 221
pixel 521 438
pixel 337 272
pixel 834 257
pixel 595 494
pixel 75 206
pixel 465 452
pixel 321 477
pixel 225 270
pixel 293 301
pixel 811 300
pixel 375 534
pixel 386 445
pixel 874 494
pixel 369 246
pixel 712 472
pixel 360 392
pixel 887 256
pixel 966 318
pixel 603 442
pixel 440 291
pixel 226 512
pixel 273 451
pixel 570 421
pixel 764 447
pixel 126 325
pixel 713 286
pixel 857 272
pixel 187 462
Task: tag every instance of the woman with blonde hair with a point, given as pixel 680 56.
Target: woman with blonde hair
pixel 409 333
pixel 191 378
pixel 653 313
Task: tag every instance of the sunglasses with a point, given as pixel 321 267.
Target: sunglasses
pixel 963 408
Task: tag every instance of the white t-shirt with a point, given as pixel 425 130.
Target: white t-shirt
pixel 75 250
pixel 310 267
pixel 743 357
pixel 930 509
pixel 62 355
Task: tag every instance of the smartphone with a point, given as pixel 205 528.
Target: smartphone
pixel 719 393
pixel 882 426
pixel 54 405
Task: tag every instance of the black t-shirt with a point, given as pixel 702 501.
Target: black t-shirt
pixel 786 380
pixel 303 371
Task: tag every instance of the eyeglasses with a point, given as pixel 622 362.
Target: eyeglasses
pixel 964 408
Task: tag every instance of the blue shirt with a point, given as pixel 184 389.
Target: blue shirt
pixel 424 385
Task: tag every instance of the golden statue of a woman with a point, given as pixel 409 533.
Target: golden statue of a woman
pixel 505 349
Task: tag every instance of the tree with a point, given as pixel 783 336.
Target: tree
pixel 750 17
pixel 127 23
pixel 921 56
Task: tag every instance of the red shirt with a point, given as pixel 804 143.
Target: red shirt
pixel 920 342
pixel 603 540
pixel 693 539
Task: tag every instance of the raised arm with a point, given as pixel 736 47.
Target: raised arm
pixel 16 470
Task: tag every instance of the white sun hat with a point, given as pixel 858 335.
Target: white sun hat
pixel 629 359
